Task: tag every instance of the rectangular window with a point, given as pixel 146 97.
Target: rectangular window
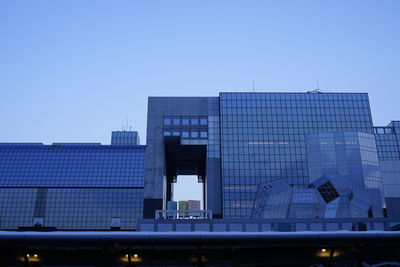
pixel 176 133
pixel 203 134
pixel 195 134
pixel 177 121
pixel 167 133
pixel 203 121
pixel 167 121
pixel 185 134
pixel 185 121
pixel 195 121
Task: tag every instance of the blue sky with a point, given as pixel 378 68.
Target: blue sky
pixel 75 70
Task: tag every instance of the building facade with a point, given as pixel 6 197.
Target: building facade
pixel 69 186
pixel 240 145
pixel 257 138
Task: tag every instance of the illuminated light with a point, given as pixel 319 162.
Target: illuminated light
pixel 28 255
pixel 323 250
pixel 268 143
pixel 126 255
pixel 135 255
pixel 35 255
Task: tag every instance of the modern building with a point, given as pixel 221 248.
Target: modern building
pixel 239 141
pixel 259 156
pixel 270 164
pixel 71 186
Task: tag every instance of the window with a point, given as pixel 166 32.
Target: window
pixel 381 130
pixel 203 121
pixel 328 192
pixel 203 134
pixel 185 134
pixel 195 134
pixel 185 121
pixel 167 133
pixel 167 121
pixel 177 121
pixel 195 121
pixel 176 133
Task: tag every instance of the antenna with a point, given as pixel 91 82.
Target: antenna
pixel 316 90
pixel 253 87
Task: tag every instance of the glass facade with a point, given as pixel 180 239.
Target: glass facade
pixel 258 155
pixel 350 159
pixel 71 186
pixel 388 144
pixel 272 200
pixel 263 138
pixel 125 138
pixel 351 155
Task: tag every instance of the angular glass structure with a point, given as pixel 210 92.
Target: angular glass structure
pixel 304 204
pixel 272 200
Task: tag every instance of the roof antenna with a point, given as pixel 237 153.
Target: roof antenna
pixel 316 90
pixel 127 126
pixel 253 87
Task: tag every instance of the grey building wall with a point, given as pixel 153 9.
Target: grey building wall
pixel 170 108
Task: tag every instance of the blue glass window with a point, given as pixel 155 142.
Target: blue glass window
pixel 72 166
pixel 203 121
pixel 167 121
pixel 194 121
pixel 195 134
pixel 71 186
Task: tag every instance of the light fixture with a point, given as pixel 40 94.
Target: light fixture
pixel 27 255
pixel 126 255
pixel 135 255
pixel 35 255
pixel 323 250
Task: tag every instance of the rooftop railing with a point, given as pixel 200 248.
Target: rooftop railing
pixel 183 214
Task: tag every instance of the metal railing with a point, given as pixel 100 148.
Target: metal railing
pixel 183 214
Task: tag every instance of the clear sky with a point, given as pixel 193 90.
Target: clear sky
pixel 74 70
